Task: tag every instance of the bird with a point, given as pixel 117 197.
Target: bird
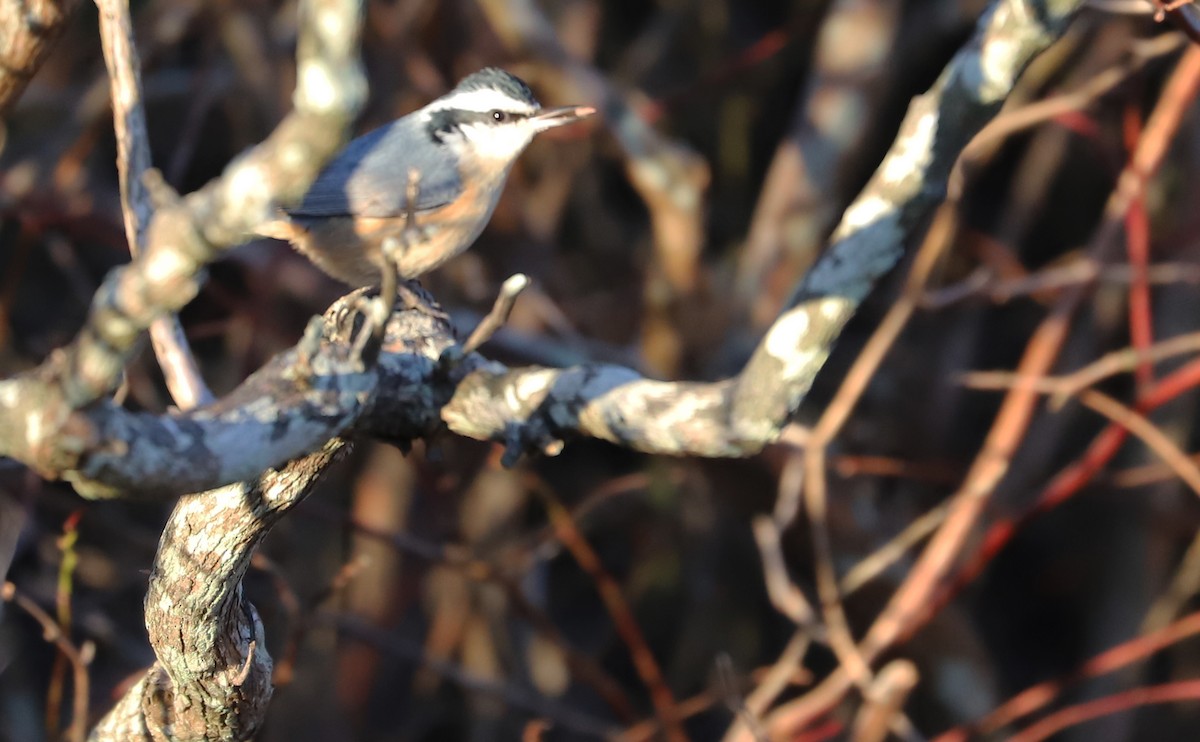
pixel 405 198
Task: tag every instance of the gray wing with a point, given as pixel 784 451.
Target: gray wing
pixel 370 176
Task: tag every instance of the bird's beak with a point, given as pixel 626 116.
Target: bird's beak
pixel 548 118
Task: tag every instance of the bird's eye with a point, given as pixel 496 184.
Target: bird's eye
pixel 499 116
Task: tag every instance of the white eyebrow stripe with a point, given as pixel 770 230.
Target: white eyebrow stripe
pixel 480 100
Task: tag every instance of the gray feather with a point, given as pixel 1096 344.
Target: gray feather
pixel 370 177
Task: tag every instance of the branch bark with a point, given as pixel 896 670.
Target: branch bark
pixel 212 679
pixel 27 33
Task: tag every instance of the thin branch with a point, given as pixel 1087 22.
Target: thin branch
pixel 665 706
pixel 876 563
pixel 180 370
pixel 1184 585
pixel 1068 482
pixel 495 319
pixel 781 674
pixel 1052 279
pixel 783 593
pixel 79 658
pixel 1121 361
pixel 1039 696
pixel 883 705
pixel 1129 419
pixel 1149 433
pixel 1181 690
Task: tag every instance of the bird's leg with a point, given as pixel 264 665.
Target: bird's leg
pixel 413 234
pixel 377 312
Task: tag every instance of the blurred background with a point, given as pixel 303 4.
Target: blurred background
pixel 440 596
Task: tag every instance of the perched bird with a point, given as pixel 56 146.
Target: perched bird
pixel 405 198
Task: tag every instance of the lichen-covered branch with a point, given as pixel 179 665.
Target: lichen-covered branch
pixel 316 391
pixel 908 184
pixel 212 679
pixel 38 409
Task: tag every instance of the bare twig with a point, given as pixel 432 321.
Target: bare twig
pixel 873 565
pixel 784 595
pixel 1129 419
pixel 884 701
pixel 1184 585
pixel 1181 690
pixel 79 658
pixel 1069 481
pixel 495 319
pixel 1041 695
pixel 780 675
pixel 1149 433
pixel 1053 278
pixel 1123 360
pixel 623 619
pixel 180 370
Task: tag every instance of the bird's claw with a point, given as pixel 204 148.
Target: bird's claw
pixel 368 341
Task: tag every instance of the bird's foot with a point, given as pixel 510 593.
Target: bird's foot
pixel 375 311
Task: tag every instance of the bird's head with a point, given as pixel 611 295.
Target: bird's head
pixel 492 115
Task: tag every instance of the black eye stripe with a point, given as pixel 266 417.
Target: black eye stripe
pixel 498 116
pixel 448 121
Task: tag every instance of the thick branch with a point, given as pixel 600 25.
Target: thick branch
pixel 299 400
pixel 212 679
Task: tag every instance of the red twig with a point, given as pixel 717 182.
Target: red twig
pixel 1039 696
pixel 1180 91
pixel 1068 483
pixel 1183 690
pixel 912 605
pixel 665 705
pixel 1137 246
pixel 79 658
